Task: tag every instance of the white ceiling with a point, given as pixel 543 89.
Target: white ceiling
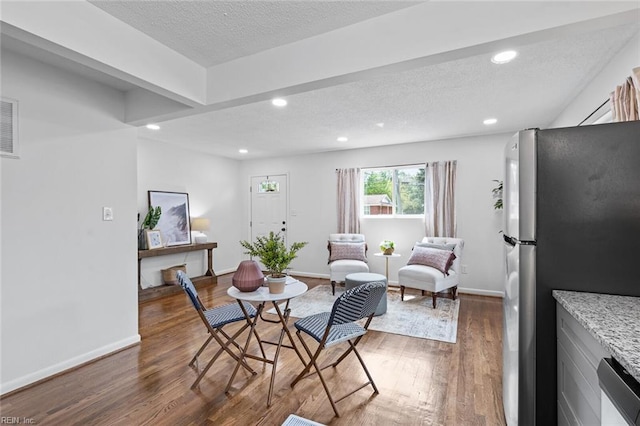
pixel 437 97
pixel 213 32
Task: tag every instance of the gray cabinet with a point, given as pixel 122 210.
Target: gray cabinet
pixel 578 356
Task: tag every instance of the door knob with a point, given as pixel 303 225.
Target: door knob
pixel 283 229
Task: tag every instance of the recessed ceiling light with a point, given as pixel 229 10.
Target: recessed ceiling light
pixel 153 127
pixel 243 151
pixel 343 139
pixel 279 102
pixel 504 57
pixel 381 125
pixel 490 121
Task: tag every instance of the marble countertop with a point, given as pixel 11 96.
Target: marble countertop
pixel 613 320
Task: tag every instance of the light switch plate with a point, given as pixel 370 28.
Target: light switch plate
pixel 107 213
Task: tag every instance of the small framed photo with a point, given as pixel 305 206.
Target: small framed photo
pixel 154 239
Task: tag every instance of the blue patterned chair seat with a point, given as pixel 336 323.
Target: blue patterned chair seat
pixel 226 314
pixel 316 325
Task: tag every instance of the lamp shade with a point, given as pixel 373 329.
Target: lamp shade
pixel 248 276
pixel 200 224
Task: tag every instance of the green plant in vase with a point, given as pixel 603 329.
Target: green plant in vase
pixel 497 193
pixel 387 247
pixel 150 221
pixel 274 255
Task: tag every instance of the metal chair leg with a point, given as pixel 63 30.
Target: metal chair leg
pixel 204 345
pixel 246 346
pixel 366 370
pixel 224 348
pixel 307 366
pixel 313 362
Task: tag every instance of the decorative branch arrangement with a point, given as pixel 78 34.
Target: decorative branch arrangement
pixel 273 253
pixel 497 193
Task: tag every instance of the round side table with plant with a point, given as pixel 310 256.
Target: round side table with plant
pixel 275 256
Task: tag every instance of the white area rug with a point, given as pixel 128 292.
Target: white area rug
pixel 413 317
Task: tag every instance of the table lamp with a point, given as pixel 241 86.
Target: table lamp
pixel 198 225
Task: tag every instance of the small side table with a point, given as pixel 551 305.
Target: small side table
pixel 386 256
pixel 359 278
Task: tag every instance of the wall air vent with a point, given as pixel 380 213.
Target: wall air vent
pixel 9 128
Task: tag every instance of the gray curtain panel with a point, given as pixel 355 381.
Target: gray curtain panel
pixel 625 99
pixel 348 201
pixel 439 199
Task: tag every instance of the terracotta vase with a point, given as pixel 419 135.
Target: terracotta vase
pixel 248 276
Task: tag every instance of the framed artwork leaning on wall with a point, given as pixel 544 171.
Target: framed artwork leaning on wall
pixel 174 222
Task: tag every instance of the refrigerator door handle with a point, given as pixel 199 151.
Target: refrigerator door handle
pixel 510 240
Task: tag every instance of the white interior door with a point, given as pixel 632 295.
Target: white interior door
pixel 269 201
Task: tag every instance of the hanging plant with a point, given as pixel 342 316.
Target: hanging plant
pixel 497 193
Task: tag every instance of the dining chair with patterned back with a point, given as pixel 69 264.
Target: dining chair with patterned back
pixel 214 320
pixel 339 326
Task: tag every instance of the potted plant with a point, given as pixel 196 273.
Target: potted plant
pixel 150 221
pixel 274 255
pixel 497 193
pixel 387 247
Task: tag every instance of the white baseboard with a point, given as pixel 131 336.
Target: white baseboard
pixel 309 274
pixel 481 292
pixel 68 364
pixel 225 271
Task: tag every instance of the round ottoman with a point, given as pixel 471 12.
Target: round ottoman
pixel 359 278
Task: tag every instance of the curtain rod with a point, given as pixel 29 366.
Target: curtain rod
pixel 594 111
pixel 386 167
pixel 399 165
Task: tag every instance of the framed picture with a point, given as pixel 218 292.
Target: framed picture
pixel 154 239
pixel 174 220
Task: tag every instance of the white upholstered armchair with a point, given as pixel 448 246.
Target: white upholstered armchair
pixel 431 267
pixel 347 255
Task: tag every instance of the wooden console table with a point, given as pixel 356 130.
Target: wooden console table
pixel 209 276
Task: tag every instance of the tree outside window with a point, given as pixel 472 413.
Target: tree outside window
pixel 393 191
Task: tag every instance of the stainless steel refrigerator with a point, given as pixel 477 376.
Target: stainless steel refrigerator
pixel 571 222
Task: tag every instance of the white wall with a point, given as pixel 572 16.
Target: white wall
pixel 597 91
pixel 313 199
pixel 214 190
pixel 68 291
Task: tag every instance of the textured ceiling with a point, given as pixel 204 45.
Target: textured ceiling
pixel 442 101
pixel 213 32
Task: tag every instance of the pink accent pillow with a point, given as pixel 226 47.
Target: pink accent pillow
pixel 436 258
pixel 351 251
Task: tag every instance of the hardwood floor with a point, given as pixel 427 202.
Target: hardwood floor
pixel 421 382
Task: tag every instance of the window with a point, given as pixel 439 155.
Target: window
pixel 395 191
pixel 268 186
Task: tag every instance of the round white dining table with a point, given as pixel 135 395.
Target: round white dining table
pixel 293 288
